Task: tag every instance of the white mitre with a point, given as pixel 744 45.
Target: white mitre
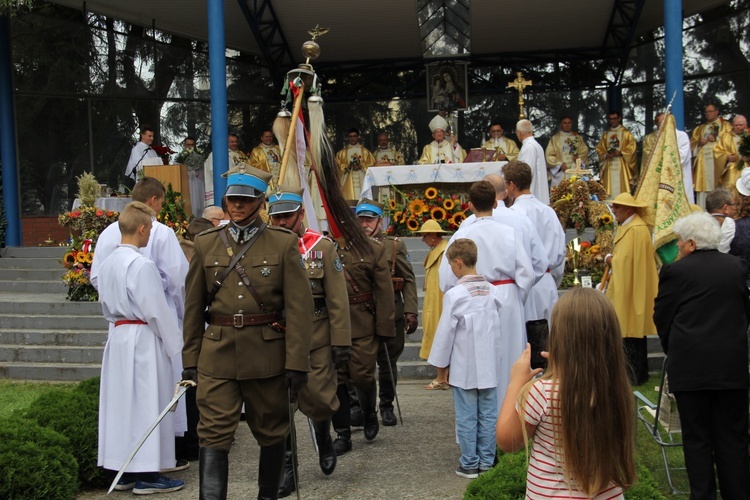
pixel 438 123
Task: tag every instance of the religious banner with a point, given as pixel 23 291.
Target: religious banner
pixel 663 191
pixel 447 87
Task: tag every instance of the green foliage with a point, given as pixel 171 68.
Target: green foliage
pixel 36 462
pixel 16 396
pixel 74 414
pixel 507 481
pixel 173 213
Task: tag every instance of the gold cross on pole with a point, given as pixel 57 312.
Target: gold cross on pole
pixel 520 83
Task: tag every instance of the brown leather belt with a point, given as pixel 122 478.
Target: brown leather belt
pixel 358 298
pixel 240 320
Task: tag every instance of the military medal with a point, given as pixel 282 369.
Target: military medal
pixel 265 272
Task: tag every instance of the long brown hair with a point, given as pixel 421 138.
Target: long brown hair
pixel 594 420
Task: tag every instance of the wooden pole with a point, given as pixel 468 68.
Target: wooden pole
pixel 290 139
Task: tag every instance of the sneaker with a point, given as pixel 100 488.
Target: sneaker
pixel 467 473
pixel 125 484
pixel 181 464
pixel 161 485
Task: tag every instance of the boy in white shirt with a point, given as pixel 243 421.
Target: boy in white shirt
pixel 465 341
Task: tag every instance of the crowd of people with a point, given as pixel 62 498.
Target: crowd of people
pixel 231 316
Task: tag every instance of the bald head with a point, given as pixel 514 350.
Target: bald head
pixel 499 184
pixel 739 124
pixel 214 214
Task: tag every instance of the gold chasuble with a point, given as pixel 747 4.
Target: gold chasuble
pixel 441 152
pixel 706 173
pixel 267 158
pixel 730 171
pixel 616 172
pixel 348 159
pixel 387 156
pixel 648 145
pixel 507 147
pixel 634 282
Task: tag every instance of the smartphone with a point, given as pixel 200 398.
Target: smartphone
pixel 537 332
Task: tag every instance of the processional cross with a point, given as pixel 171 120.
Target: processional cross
pixel 579 171
pixel 520 83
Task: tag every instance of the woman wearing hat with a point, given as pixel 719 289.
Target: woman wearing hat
pixel 432 236
pixel 740 245
pixel 634 282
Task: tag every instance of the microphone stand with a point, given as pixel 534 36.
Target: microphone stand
pixel 134 173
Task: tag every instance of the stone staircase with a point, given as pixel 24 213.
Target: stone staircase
pixel 45 337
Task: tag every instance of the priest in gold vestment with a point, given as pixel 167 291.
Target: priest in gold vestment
pixel 563 149
pixel 649 141
pixel 385 154
pixel 726 152
pixel 617 156
pixel 507 149
pixel 706 174
pixel 267 156
pixel 353 161
pixel 441 150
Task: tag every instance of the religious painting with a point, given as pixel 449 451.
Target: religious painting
pixel 447 86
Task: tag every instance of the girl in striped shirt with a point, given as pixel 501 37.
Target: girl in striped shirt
pixel 580 412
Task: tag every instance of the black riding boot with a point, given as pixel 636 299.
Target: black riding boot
pixel 214 473
pixel 287 481
pixel 270 469
pixel 326 450
pixel 368 402
pixel 342 422
pixel 357 419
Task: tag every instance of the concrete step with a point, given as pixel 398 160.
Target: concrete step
pixel 68 372
pixel 49 322
pixel 50 354
pixel 33 252
pixel 36 286
pixel 27 274
pixel 416 370
pixel 30 263
pixel 46 303
pixel 53 337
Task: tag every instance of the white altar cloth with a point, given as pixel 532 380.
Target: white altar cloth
pixel 427 174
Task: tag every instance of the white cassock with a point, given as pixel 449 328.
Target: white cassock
pixel 140 152
pixel 164 250
pixel 500 256
pixel 467 336
pixel 235 158
pixel 533 155
pixel 547 225
pixel 543 294
pixel 137 381
pixel 686 160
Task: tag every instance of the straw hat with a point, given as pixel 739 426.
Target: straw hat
pixel 431 226
pixel 626 199
pixel 743 183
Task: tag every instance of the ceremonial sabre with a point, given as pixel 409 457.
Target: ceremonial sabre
pixel 293 439
pixel 393 382
pixel 182 387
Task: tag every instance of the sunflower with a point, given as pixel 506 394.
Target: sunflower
pixel 417 206
pixel 412 224
pixel 392 204
pixel 430 193
pixel 69 259
pixel 458 218
pixel 606 219
pixel 397 217
pixel 449 204
pixel 81 257
pixel 438 214
pixel 89 257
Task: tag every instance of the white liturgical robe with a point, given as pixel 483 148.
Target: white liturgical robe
pixel 137 380
pixel 533 155
pixel 140 152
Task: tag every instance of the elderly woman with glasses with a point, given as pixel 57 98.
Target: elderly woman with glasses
pixel 701 314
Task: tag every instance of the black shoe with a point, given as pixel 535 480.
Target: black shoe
pixel 389 419
pixel 372 426
pixel 342 444
pixel 357 419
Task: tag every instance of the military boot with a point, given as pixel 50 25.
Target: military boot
pixel 270 469
pixel 214 473
pixel 326 448
pixel 342 422
pixel 287 486
pixel 368 401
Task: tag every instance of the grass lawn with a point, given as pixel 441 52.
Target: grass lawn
pixel 17 395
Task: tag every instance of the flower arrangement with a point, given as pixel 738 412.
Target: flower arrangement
pixel 744 147
pixel 173 213
pixel 614 144
pixel 419 206
pixel 163 152
pixel 193 158
pixel 78 275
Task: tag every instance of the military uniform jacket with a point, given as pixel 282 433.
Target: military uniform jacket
pixel 274 268
pixel 406 299
pixel 324 269
pixel 370 274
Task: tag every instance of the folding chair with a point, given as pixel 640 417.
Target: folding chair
pixel 662 421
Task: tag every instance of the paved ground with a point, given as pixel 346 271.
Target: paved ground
pixel 416 461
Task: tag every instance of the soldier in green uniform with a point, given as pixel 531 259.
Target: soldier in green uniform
pixel 370 214
pixel 256 347
pixel 331 327
pixel 371 302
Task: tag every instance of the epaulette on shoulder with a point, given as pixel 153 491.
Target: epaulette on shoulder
pixel 209 231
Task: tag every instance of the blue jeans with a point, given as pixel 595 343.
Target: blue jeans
pixel 476 416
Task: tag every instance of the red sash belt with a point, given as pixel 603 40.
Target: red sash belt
pixel 502 282
pixel 130 322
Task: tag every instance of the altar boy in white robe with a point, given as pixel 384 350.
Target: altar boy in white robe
pixel 503 262
pixel 544 219
pixel 136 380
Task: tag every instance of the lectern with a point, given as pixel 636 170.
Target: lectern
pixel 172 174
